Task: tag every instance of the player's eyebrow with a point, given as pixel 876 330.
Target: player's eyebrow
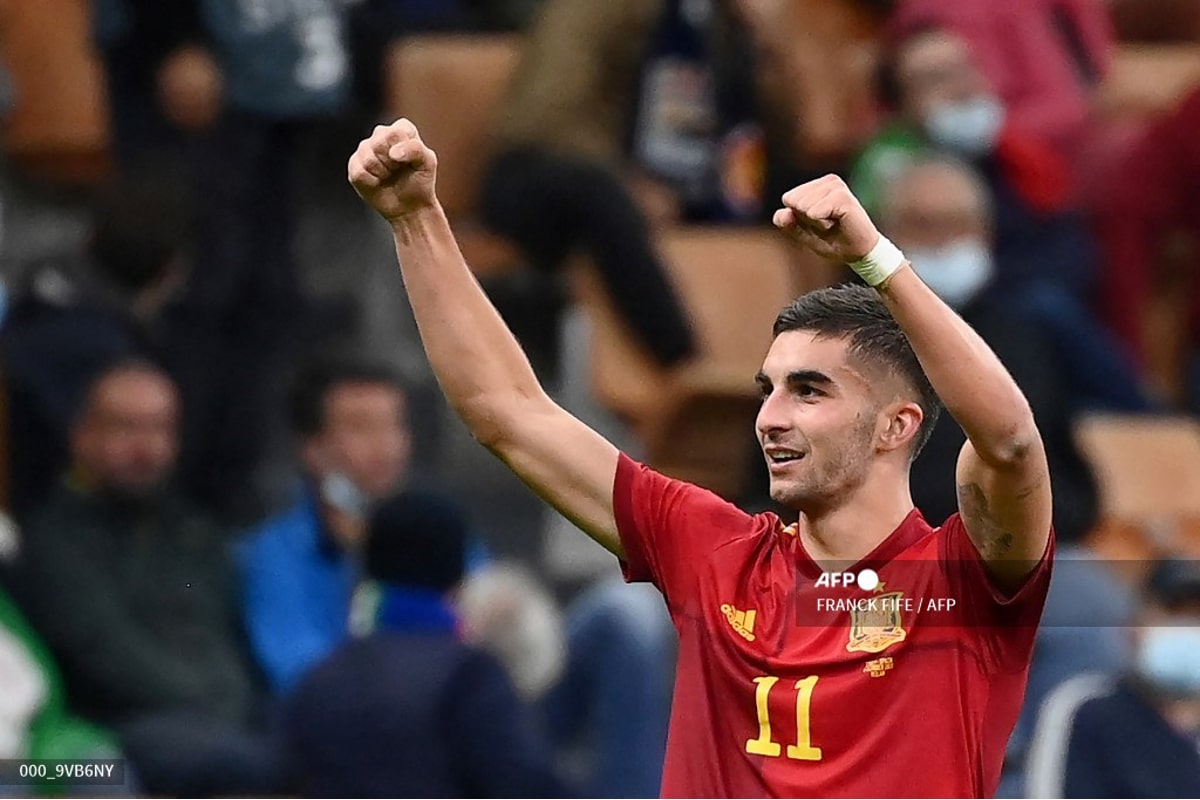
pixel 809 377
pixel 799 377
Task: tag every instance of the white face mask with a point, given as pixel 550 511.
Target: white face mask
pixel 340 492
pixel 956 272
pixel 971 127
pixel 1166 659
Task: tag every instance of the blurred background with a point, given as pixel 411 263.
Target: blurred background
pixel 219 436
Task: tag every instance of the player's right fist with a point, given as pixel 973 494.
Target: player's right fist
pixel 394 171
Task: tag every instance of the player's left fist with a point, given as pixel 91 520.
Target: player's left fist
pixel 827 218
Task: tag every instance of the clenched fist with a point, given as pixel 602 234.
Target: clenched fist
pixel 394 171
pixel 826 217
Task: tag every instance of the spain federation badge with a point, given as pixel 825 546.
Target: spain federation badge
pixel 877 627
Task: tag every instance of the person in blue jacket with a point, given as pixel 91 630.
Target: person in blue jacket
pixel 299 568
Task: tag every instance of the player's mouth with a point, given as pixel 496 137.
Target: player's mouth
pixel 780 459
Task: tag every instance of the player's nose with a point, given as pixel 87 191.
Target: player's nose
pixel 772 418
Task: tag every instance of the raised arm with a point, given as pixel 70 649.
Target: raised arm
pixel 1003 479
pixel 481 368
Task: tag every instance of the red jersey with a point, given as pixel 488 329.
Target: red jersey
pixel 789 687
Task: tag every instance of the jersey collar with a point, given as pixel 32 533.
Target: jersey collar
pixel 910 531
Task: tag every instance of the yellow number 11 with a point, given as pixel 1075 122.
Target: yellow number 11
pixel 803 749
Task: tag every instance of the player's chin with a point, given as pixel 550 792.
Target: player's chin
pixel 787 491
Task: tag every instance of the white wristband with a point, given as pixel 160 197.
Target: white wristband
pixel 879 264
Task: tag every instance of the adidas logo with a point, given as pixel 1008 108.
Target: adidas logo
pixel 740 621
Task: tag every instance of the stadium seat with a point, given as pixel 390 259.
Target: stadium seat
pixel 1146 81
pixel 451 86
pixel 696 423
pixel 59 125
pixel 1148 469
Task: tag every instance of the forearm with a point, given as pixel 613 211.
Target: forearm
pixel 479 364
pixel 964 371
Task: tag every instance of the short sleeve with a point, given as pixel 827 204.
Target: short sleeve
pixel 1006 621
pixel 669 529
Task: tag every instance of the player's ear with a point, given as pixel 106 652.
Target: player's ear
pixel 901 422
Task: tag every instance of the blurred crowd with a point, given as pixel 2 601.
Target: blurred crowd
pixel 244 548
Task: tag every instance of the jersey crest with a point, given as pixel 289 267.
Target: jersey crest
pixel 878 627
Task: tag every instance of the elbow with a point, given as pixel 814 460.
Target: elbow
pixel 1014 447
pixel 1005 435
pixel 486 429
pixel 491 421
pixel 1014 452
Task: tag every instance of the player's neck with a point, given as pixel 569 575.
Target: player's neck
pixel 844 534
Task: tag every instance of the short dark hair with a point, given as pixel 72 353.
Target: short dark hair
pixel 857 314
pixel 323 374
pixel 141 220
pixel 417 539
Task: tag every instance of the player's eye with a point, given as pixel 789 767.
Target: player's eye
pixel 807 391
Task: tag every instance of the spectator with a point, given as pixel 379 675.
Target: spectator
pixel 616 651
pixel 75 319
pixel 506 611
pixel 409 710
pixel 1083 631
pixel 943 101
pixel 939 211
pixel 623 115
pixel 299 568
pixel 300 571
pixel 1145 210
pixel 1135 736
pixel 241 84
pixel 157 88
pixel 621 653
pixel 134 592
pixel 250 67
pixel 1044 58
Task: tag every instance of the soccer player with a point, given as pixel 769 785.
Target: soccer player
pixel 784 689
